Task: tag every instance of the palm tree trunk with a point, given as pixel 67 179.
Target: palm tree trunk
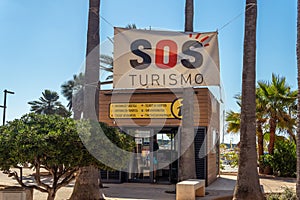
pixel 189 16
pixel 272 136
pixel 298 103
pixel 247 185
pixel 187 167
pixel 292 135
pixel 260 144
pixel 87 182
pixel 260 139
pixel 87 185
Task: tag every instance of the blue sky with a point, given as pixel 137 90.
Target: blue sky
pixel 42 43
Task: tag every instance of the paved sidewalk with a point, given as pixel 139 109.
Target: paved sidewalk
pixel 224 185
pixel 139 191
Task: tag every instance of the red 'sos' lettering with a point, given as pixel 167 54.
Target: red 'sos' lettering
pixel 160 52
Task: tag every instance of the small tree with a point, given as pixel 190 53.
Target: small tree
pixel 48 142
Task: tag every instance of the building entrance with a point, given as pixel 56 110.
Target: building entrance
pixel 129 110
pixel 155 158
pixel 141 165
pixel 167 156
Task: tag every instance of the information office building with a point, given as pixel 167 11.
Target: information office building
pixel 151 71
pixel 154 115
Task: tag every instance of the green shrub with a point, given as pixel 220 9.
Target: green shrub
pixel 265 163
pixel 284 161
pixel 266 160
pixel 221 165
pixel 232 157
pixel 273 196
pixel 288 194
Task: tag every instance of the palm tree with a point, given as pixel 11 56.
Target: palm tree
pixel 48 104
pixel 67 91
pixel 288 122
pixel 189 16
pixel 107 62
pixel 261 114
pixel 286 114
pixel 261 119
pixel 186 143
pixel 247 185
pixel 280 102
pixel 87 181
pixel 298 102
pixel 72 90
pixel 106 65
pixel 233 120
pixel 71 87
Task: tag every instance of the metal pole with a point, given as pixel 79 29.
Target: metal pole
pixel 223 126
pixel 4 104
pixel 4 107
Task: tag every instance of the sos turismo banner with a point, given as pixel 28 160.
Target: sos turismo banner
pixel 165 59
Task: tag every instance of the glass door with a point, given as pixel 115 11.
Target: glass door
pixel 140 165
pixel 167 164
pixel 155 156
